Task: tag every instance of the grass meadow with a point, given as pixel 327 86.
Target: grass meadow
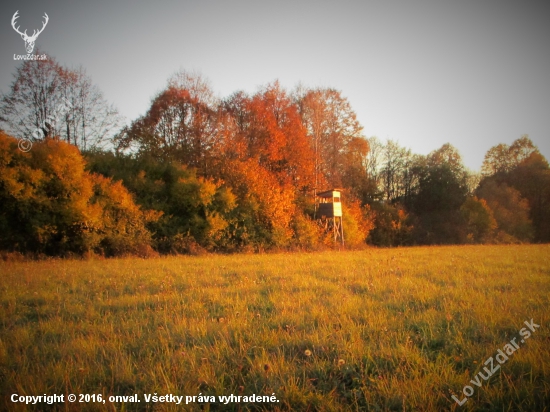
pixel 373 330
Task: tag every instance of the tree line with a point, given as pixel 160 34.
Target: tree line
pixel 201 173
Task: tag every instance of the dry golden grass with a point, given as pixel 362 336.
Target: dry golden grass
pixel 375 330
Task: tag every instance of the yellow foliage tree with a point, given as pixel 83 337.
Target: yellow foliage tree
pixel 52 205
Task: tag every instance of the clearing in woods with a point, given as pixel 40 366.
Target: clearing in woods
pixel 381 329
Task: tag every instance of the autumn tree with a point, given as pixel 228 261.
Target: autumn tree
pixel 269 165
pixel 235 120
pixel 265 207
pixel 34 93
pixel 374 159
pixel 194 211
pixel 256 145
pixel 503 158
pixel 448 155
pixel 47 100
pixel 275 136
pixel 510 210
pixel 522 167
pixel 179 125
pixel 89 121
pixel 392 225
pixel 395 172
pixel 532 179
pixel 38 213
pixel 197 86
pixel 355 175
pixel 52 205
pixel 331 125
pixel 479 220
pixel 358 222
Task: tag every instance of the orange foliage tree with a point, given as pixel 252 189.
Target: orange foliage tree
pixel 259 147
pixel 52 205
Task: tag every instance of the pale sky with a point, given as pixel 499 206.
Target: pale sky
pixel 471 73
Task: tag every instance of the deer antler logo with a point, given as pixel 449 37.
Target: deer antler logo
pixel 29 40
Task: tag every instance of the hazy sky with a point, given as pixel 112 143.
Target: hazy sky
pixel 472 73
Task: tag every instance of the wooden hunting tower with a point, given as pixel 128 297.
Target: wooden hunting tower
pixel 329 210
